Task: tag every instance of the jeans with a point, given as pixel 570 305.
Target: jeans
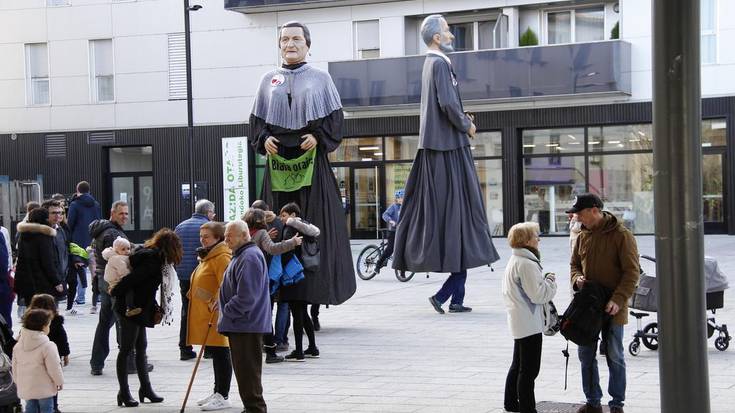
pixel 454 287
pixel 615 364
pixel 82 284
pixel 519 384
pixel 40 405
pixel 222 364
pixel 101 343
pixel 283 321
pixel 184 286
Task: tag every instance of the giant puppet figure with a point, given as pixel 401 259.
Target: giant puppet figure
pixel 297 120
pixel 443 225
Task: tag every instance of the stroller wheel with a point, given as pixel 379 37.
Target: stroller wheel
pixel 634 348
pixel 722 343
pixel 651 343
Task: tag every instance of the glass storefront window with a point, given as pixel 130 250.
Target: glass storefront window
pixel 625 185
pixel 490 174
pixel 357 150
pixel 487 144
pixel 131 159
pixel 401 147
pixel 550 184
pixel 396 175
pixel 620 138
pixel 714 132
pixel 556 141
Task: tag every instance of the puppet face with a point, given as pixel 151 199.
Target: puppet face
pixel 446 38
pixel 293 45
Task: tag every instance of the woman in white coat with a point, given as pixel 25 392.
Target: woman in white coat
pixel 525 290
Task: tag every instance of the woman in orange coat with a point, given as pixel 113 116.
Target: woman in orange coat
pixel 214 256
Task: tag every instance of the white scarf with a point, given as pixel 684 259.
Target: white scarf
pixel 167 293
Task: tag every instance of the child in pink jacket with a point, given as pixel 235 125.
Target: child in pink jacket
pixel 36 363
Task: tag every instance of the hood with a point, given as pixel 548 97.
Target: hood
pixel 30 340
pixel 98 225
pixel 33 228
pixel 609 223
pixel 219 249
pixel 108 253
pixel 86 200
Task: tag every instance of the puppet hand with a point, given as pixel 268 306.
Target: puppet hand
pixel 309 142
pixel 271 145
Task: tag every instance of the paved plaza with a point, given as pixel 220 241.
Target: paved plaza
pixel 386 350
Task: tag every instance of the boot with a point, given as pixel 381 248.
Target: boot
pixel 123 396
pixel 146 391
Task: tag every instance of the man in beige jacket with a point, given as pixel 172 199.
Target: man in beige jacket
pixel 606 253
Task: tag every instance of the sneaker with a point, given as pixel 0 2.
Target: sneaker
pixel 80 302
pixel 187 354
pixel 280 348
pixel 71 312
pixel 459 308
pixel 96 372
pixel 588 408
pixel 272 358
pixel 217 402
pixel 294 356
pixel 312 352
pixel 437 305
pixel 202 402
pixel 616 409
pixel 131 312
pixel 93 309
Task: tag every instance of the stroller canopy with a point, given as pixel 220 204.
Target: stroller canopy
pixel 715 280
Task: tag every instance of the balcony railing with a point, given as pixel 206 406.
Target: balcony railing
pixel 577 69
pixel 263 6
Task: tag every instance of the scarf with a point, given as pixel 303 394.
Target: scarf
pixel 534 251
pixel 293 98
pixel 169 276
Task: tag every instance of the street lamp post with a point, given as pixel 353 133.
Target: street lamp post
pixel 189 99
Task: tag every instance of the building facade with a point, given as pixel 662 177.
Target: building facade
pixel 96 90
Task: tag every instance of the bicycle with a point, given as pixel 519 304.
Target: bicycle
pixel 369 257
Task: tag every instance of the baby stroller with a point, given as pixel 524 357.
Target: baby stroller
pixel 9 402
pixel 645 299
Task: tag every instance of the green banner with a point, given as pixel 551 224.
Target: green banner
pixel 289 175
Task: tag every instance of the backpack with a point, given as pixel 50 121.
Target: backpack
pixel 585 317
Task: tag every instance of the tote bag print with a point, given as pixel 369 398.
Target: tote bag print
pixel 289 175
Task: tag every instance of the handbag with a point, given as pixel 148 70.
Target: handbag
pixel 552 323
pixel 310 253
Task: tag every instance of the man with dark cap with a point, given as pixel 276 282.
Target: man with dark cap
pixel 443 225
pixel 605 253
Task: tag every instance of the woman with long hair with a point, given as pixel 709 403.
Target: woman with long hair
pixel 145 277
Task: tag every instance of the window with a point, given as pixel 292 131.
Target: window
pixel 464 36
pixel 102 75
pixel 176 66
pixel 576 25
pixel 37 79
pixel 714 132
pixel 367 39
pixel 550 184
pixel 708 22
pixel 54 3
pixel 358 149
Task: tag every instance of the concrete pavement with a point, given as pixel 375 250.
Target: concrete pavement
pixel 386 350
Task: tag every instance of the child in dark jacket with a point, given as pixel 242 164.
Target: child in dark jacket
pixel 57 333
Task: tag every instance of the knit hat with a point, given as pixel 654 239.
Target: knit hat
pixel 120 242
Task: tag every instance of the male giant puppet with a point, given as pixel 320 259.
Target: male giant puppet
pixel 296 120
pixel 443 224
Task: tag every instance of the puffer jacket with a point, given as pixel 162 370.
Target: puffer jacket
pixel 188 232
pixel 144 279
pixel 36 271
pixel 103 233
pixel 36 366
pixel 608 254
pixel 83 209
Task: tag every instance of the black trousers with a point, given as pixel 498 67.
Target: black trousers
pixel 222 364
pixel 71 283
pixel 387 252
pixel 301 323
pixel 519 385
pixel 132 337
pixel 247 361
pixel 184 286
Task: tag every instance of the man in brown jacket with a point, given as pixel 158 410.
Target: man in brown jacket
pixel 605 252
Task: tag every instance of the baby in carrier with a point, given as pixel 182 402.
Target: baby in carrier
pixel 118 266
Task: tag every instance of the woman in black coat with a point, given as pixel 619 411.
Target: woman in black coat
pixel 144 279
pixel 36 270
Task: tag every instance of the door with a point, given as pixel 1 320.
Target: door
pixel 365 202
pixel 342 174
pixel 714 198
pixel 131 180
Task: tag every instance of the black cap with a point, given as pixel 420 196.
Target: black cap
pixel 584 201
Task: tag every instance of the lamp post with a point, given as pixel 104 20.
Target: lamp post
pixel 189 99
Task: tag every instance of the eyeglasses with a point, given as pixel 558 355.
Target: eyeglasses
pixel 56 213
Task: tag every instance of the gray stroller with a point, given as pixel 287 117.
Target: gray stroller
pixel 645 299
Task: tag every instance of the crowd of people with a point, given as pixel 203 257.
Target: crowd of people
pixel 232 275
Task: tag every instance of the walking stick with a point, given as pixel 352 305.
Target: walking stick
pixel 199 358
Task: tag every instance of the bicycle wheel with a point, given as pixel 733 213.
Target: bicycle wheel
pixel 404 276
pixel 366 261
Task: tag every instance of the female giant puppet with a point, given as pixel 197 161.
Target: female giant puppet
pixel 298 111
